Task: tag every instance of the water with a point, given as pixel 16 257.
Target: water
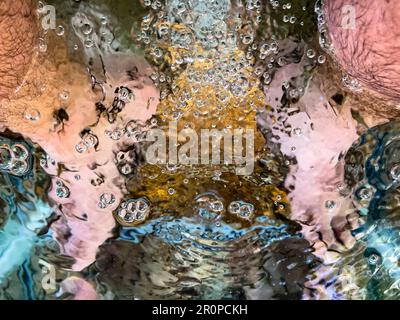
pixel 84 214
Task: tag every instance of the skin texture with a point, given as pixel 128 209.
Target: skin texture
pixel 18 32
pixel 370 51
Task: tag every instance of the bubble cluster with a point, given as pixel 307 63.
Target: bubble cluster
pixel 32 115
pixel 133 211
pixel 15 159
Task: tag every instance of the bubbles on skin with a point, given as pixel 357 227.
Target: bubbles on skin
pixel 62 190
pixel 133 211
pixel 324 39
pixel 14 159
pixel 374 259
pixel 395 172
pixel 241 209
pixel 60 31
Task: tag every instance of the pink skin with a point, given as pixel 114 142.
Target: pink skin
pixel 369 52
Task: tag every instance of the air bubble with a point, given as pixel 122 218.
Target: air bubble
pixel 106 199
pixel 310 53
pixel 19 152
pixel 61 190
pixel 32 115
pixel 5 158
pixel 321 59
pixel 330 204
pixel 87 29
pixel 395 172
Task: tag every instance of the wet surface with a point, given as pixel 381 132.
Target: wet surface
pixel 306 210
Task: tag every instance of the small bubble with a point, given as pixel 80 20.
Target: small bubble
pixel 395 172
pixel 32 115
pixel 310 53
pixel 89 43
pixel 5 158
pixel 64 95
pixel 61 190
pixel 330 204
pixel 81 147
